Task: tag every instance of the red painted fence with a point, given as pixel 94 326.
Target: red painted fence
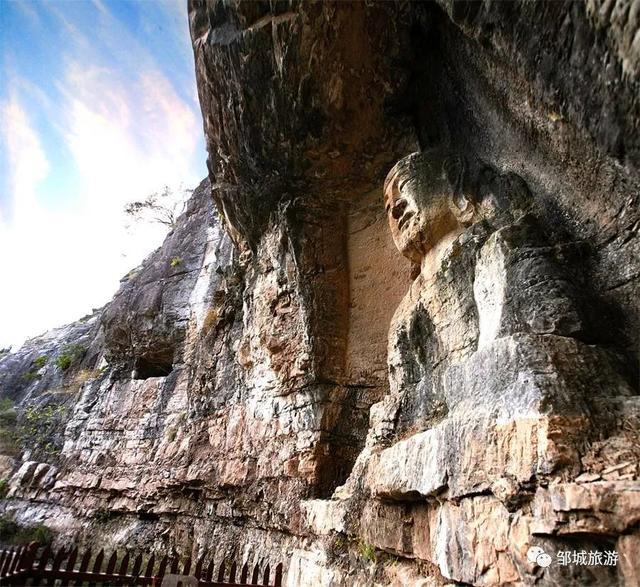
pixel 30 565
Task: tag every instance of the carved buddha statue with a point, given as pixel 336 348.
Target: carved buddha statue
pixel 485 272
pixel 494 384
pixel 426 204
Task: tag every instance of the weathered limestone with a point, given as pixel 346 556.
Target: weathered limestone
pixel 293 389
pixel 482 357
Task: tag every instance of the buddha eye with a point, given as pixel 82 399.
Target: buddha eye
pixel 401 184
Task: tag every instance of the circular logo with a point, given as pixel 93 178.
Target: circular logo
pixel 543 560
pixel 533 553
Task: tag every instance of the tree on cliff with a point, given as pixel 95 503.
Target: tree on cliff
pixel 162 207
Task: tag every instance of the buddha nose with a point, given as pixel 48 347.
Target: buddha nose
pixel 398 208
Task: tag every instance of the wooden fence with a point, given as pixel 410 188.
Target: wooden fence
pixel 31 565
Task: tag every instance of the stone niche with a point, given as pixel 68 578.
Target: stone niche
pixel 373 284
pixel 377 283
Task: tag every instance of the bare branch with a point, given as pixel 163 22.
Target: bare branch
pixel 162 207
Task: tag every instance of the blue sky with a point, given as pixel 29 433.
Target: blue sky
pixel 98 107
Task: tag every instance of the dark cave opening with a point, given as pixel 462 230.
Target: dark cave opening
pixel 157 366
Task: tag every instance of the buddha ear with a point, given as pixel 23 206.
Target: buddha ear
pixel 463 206
pixel 454 168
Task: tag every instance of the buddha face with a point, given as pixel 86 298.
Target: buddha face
pixel 418 199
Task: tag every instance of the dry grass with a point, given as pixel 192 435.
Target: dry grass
pixel 211 319
pixel 84 375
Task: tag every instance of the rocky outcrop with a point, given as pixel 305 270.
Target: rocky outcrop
pixel 145 325
pixel 279 381
pixel 100 399
pixel 40 364
pixel 509 365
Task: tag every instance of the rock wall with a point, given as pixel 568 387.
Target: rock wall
pixel 278 381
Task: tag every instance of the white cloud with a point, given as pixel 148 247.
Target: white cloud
pixel 128 133
pixel 28 166
pixel 127 139
pixel 25 157
pixel 58 265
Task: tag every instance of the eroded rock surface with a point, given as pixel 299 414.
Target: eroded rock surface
pixel 279 381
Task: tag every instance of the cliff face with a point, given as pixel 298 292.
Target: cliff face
pixel 279 381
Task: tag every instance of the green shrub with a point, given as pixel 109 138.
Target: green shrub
pixel 175 261
pixel 14 533
pixel 367 551
pixel 44 416
pixel 69 355
pixel 8 529
pixel 51 449
pixel 40 426
pixel 8 421
pixel 31 376
pixel 8 415
pixel 40 361
pixel 64 361
pixel 4 488
pixel 39 533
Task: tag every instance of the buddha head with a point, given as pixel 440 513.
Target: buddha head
pixel 425 201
